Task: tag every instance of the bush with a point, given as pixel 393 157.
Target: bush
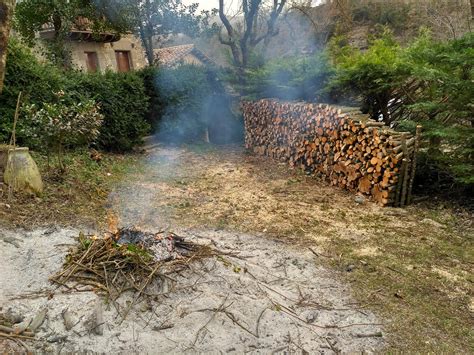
pixel 292 78
pixel 178 100
pixel 121 97
pixel 37 81
pixel 372 76
pixel 123 102
pixel 66 122
pixel 394 14
pixel 428 83
pixel 443 104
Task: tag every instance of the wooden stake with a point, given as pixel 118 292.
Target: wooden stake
pixel 413 168
pixel 13 145
pixel 404 175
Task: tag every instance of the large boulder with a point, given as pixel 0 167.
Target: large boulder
pixel 21 172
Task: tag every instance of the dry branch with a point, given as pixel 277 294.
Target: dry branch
pixel 121 262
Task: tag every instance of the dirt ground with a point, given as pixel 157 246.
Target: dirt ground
pixel 269 297
pixel 324 270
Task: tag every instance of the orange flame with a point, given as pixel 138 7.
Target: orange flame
pixel 112 222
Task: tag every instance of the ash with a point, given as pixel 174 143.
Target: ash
pixel 164 246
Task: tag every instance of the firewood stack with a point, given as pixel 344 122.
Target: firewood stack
pixel 357 154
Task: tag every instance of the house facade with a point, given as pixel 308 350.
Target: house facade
pixel 98 52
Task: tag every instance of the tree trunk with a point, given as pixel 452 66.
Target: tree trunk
pixel 6 14
pixel 147 41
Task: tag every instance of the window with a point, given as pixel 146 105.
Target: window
pixel 92 62
pixel 123 61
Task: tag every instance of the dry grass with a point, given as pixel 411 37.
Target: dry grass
pixel 76 198
pixel 413 266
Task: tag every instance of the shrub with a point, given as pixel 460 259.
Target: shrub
pixel 292 78
pixel 428 83
pixel 71 123
pixel 443 104
pixel 178 97
pixel 123 103
pixel 121 98
pixel 188 101
pixel 372 76
pixel 37 82
pixel 394 14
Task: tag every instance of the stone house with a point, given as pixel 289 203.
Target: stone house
pixel 92 52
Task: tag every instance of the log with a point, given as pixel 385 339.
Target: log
pixel 362 156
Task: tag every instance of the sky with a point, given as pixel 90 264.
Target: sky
pixel 214 4
pixel 232 5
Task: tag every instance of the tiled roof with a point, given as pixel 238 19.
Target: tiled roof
pixel 171 56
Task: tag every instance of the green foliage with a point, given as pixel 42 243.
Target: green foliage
pixel 150 19
pixel 38 82
pixel 63 15
pixel 394 14
pixel 445 71
pixel 444 105
pixel 373 75
pixel 432 83
pixel 292 78
pixel 123 102
pixel 178 98
pixel 67 122
pixel 121 97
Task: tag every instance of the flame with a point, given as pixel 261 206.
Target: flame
pixel 112 222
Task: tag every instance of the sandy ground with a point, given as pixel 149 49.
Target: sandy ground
pixel 270 297
pixel 276 295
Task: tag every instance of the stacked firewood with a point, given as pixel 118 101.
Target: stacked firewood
pixel 352 151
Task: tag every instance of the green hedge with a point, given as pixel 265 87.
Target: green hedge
pixel 185 101
pixel 123 102
pixel 121 96
pixel 290 78
pixel 36 81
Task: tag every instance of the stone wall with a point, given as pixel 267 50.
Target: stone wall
pixel 106 53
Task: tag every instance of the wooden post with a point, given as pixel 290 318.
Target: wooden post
pixel 405 173
pixel 413 168
pixel 398 191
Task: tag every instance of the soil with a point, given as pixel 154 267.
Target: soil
pixel 269 297
pixel 313 270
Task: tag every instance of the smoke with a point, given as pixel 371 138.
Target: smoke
pixel 193 106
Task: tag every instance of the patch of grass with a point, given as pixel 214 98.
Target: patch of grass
pixel 77 197
pixel 428 311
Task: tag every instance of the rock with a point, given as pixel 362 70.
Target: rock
pixel 360 200
pixel 22 173
pixel 350 268
pixel 396 212
pixel 13 316
pixel 68 319
pixel 432 223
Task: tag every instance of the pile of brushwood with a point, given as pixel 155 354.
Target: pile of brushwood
pixel 128 260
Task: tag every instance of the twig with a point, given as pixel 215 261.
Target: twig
pixel 6 329
pixel 16 339
pixel 16 336
pixel 210 320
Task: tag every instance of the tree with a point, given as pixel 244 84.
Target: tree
pixel 241 43
pixel 153 19
pixel 6 12
pixel 64 15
